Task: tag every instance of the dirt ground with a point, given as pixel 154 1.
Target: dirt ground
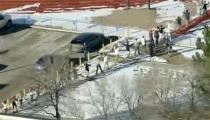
pixel 142 18
pixel 24 47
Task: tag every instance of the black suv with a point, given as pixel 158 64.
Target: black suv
pixel 93 42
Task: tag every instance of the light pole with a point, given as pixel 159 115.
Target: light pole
pixel 149 1
pixel 128 4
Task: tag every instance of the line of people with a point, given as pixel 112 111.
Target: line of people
pixel 14 103
pixel 101 59
pixel 186 13
pixel 140 47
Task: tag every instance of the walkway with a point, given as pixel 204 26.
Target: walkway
pixel 185 28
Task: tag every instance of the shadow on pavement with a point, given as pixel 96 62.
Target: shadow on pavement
pixel 16 68
pixel 13 29
pixel 2 67
pixel 2 86
pixel 4 52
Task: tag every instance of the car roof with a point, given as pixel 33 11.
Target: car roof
pixel 85 37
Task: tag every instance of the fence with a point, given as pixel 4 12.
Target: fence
pixel 72 25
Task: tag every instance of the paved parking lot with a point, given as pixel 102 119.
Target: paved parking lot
pixel 21 48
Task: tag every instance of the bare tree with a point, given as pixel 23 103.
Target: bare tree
pixel 106 101
pixel 133 103
pixel 53 81
pixel 75 108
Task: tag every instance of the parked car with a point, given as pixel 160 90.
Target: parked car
pixel 93 42
pixel 5 20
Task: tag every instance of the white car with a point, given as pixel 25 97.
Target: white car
pixel 5 20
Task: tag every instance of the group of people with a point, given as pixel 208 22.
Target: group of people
pixel 204 7
pixel 186 15
pixel 203 10
pixel 10 104
pixel 155 36
pixel 101 58
pixel 15 102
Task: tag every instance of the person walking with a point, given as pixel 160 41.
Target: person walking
pixel 5 106
pixel 156 36
pixel 205 7
pixel 151 48
pixel 98 65
pixel 179 21
pixel 106 61
pixel 85 51
pixel 151 39
pixel 136 47
pixel 87 68
pixel 187 15
pixel 161 29
pixel 14 104
pixel 169 45
pixel 21 100
pixel 127 46
pixel 143 44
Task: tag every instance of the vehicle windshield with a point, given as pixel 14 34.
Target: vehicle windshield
pixel 76 47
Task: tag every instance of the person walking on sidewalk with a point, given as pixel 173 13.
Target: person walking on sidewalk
pixel 85 51
pixel 151 48
pixel 14 104
pixel 137 47
pixel 98 65
pixel 127 46
pixel 106 61
pixel 179 21
pixel 187 15
pixel 143 44
pixel 161 29
pixel 169 45
pixel 5 106
pixel 87 69
pixel 205 7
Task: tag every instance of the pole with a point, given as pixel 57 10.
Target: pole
pixel 149 1
pixel 80 61
pixel 88 56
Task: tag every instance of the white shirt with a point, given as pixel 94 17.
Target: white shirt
pixel 142 41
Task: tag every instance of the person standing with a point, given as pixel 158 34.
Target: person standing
pixel 156 36
pixel 87 68
pixel 85 51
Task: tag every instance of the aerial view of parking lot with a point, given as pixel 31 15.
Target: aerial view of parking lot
pixel 104 60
